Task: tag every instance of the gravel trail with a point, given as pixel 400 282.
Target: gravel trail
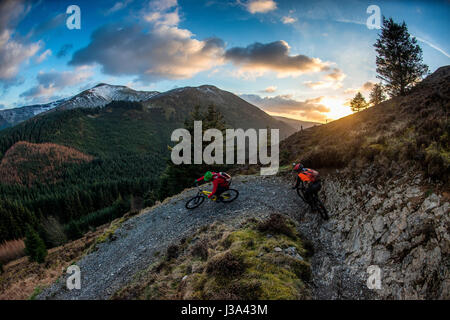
pixel 138 239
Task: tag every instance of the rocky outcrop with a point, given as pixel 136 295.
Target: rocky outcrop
pixel 399 225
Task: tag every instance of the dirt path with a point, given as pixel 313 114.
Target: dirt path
pixel 141 237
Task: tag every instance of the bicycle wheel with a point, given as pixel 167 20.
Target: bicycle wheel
pixel 301 195
pixel 322 210
pixel 229 195
pixel 195 202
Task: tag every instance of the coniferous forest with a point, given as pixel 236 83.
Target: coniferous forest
pixel 81 168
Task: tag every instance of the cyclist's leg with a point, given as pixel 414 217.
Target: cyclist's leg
pixel 220 190
pixel 314 189
pixel 308 195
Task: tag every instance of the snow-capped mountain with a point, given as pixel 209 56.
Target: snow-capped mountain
pixel 98 96
pixel 102 94
pixel 11 117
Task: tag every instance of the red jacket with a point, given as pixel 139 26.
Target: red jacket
pixel 219 179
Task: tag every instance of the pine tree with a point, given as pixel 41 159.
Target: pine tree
pixel 377 94
pixel 34 246
pixel 399 58
pixel 177 177
pixel 358 103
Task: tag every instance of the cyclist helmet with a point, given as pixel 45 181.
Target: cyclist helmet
pixel 298 167
pixel 208 176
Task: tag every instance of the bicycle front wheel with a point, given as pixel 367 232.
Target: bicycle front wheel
pixel 229 195
pixel 195 202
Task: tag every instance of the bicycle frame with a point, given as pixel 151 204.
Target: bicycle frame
pixel 206 193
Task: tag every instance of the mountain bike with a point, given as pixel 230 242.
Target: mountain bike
pixel 316 204
pixel 227 196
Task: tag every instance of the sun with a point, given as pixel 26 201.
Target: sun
pixel 337 106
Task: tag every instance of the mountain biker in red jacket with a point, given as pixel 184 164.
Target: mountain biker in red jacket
pixel 311 178
pixel 221 182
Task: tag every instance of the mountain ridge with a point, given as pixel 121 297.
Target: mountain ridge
pixel 102 94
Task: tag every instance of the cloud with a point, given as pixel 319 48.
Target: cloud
pixel 270 89
pixel 64 50
pixel 163 52
pixel 433 46
pixel 260 6
pixel 50 82
pixel 367 86
pixel 311 109
pixel 13 50
pixel 167 19
pixel 331 80
pixel 275 57
pixel 336 75
pixel 163 5
pixel 118 6
pixel 52 23
pixel 288 20
pixel 44 55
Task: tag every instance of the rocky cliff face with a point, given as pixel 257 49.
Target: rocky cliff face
pixel 395 223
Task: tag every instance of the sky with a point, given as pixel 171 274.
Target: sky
pixel 300 59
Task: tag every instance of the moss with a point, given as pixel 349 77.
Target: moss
pixel 108 235
pixel 241 264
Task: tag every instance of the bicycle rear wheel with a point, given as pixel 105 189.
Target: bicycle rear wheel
pixel 195 202
pixel 322 210
pixel 229 195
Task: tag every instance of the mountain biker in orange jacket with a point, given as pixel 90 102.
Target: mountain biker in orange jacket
pixel 221 182
pixel 312 179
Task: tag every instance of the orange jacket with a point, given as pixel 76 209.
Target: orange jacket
pixel 308 175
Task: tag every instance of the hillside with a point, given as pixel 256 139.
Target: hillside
pixel 237 112
pixel 400 133
pixel 297 124
pixel 25 163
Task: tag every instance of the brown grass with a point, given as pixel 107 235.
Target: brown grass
pixel 21 277
pixel 11 250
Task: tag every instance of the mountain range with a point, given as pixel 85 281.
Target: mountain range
pixel 237 112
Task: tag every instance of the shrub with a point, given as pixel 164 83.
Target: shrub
pixel 172 252
pixel 239 289
pixel 11 250
pixel 226 264
pixel 35 246
pixel 276 224
pixel 200 249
